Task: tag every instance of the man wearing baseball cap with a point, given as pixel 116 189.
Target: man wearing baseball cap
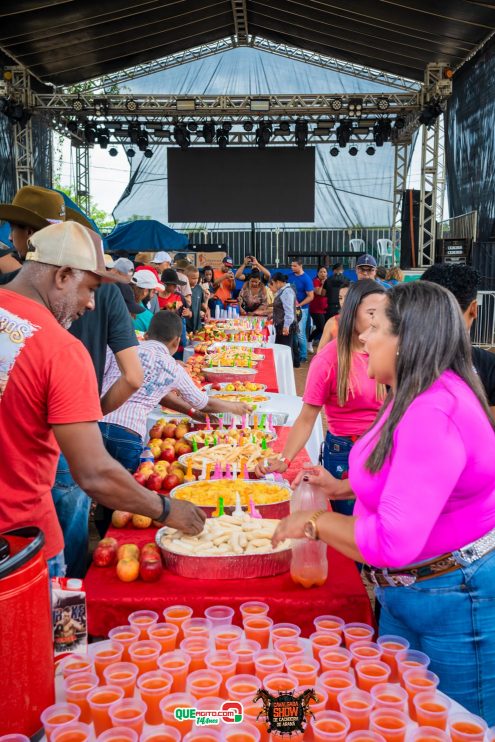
pixel 144 286
pixel 224 281
pixel 366 267
pixel 49 395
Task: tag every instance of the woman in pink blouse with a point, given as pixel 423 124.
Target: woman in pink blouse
pixel 424 481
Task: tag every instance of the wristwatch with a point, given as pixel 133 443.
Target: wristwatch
pixel 310 528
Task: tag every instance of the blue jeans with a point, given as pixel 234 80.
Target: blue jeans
pixel 301 334
pixel 122 445
pixel 451 618
pixel 335 459
pixel 72 505
pixel 56 565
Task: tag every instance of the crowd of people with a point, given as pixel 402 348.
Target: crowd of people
pixel 408 462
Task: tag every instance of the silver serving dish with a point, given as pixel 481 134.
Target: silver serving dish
pixel 223 384
pixel 243 566
pixel 278 418
pixel 272 510
pixel 270 435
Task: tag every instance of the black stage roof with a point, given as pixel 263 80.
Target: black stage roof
pixel 68 41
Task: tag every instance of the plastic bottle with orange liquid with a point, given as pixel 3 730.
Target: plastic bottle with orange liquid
pixel 309 566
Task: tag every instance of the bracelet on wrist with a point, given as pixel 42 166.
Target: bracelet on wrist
pixel 165 510
pixel 286 461
pixel 191 412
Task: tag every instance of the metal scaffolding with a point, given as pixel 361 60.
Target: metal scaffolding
pixel 19 90
pixel 401 166
pixel 82 180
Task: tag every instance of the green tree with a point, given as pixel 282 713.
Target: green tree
pixel 104 221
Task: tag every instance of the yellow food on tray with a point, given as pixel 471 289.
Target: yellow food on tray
pixel 229 360
pixel 229 435
pixel 228 535
pixel 206 494
pixel 240 397
pixel 237 370
pixel 248 453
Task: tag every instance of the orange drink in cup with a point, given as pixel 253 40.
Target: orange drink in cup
pixel 408 658
pixel 197 627
pixel 175 701
pixel 177 664
pixel 320 642
pixel 280 682
pixel 165 634
pixel 257 628
pixel 76 663
pixel 416 680
pixel 202 735
pixel 244 732
pixel 390 646
pixel 242 687
pixel 58 715
pixel 177 614
pixel 143 620
pixel 319 705
pixel 364 651
pixel 128 713
pixel 285 631
pixel 153 686
pixel 77 687
pixel 144 654
pixel 122 674
pixel 119 734
pixel 204 683
pixel 370 673
pixel 100 699
pixel 357 632
pixel 197 647
pixel 253 714
pixel 225 663
pixel 390 723
pixel 303 669
pixel 465 727
pixel 432 709
pixel 334 682
pixel 108 653
pixel 290 647
pixel 125 635
pixel 210 702
pixel 254 608
pixel 76 731
pixel 225 635
pixel 295 737
pixel 356 705
pixel 329 624
pixel 363 736
pixel 330 726
pixel 335 658
pixel 244 650
pixel 164 734
pixel 389 695
pixel 428 734
pixel 268 661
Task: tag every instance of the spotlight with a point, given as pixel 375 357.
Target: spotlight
pixel 222 138
pixel 182 136
pixel 113 152
pixel 101 106
pixel 148 153
pixel 90 133
pixel 103 137
pixel 131 105
pixel 370 151
pixel 344 131
pixel 382 104
pixel 263 134
pixel 142 141
pixel 78 105
pixel 301 133
pixel 430 113
pixel 336 104
pixel 134 131
pixel 400 122
pixel 72 126
pixel 334 151
pixel 353 151
pixel 130 152
pixel 284 126
pixel 355 107
pixel 381 132
pixel 192 126
pixel 227 126
pixel 208 132
pixel 15 112
pixel 248 126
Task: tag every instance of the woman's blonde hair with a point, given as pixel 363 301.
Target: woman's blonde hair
pixel 395 274
pixel 144 257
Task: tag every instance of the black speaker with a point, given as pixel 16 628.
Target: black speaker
pixel 410 229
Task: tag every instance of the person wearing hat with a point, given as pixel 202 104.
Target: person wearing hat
pixel 224 281
pixel 144 285
pixel 181 267
pixel 160 261
pixel 124 266
pixel 366 267
pixel 49 396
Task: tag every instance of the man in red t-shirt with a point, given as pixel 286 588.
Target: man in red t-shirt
pixel 49 396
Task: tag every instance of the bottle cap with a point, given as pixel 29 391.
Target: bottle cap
pixel 73 584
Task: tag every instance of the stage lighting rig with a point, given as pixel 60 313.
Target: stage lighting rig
pixel 227 126
pixel 78 105
pixel 301 133
pixel 142 141
pixel 334 151
pixel 72 126
pixel 113 152
pixel 222 138
pixel 134 131
pixel 263 134
pixel 400 122
pixel 343 132
pixel 182 136
pixel 90 133
pixel 148 153
pixel 430 113
pixel 130 152
pixel 131 105
pixel 15 112
pixel 101 106
pixel 248 126
pixel 208 132
pixel 336 104
pixel 382 104
pixel 370 151
pixel 381 132
pixel 353 151
pixel 355 108
pixel 103 137
pixel 192 126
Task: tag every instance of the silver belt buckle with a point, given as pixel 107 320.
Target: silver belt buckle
pixel 476 549
pixel 399 580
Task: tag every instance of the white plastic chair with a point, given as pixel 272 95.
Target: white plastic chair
pixel 358 246
pixel 385 250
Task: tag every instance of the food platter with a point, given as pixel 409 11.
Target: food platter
pixel 248 455
pixel 227 386
pixel 251 398
pixel 226 374
pixel 229 435
pixel 278 505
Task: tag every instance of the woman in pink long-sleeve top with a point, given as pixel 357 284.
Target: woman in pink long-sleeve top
pixel 424 481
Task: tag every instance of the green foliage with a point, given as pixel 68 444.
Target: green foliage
pixel 104 221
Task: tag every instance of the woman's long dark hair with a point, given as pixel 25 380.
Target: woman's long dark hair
pixel 433 338
pixel 357 292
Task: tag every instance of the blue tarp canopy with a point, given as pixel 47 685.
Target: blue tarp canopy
pixel 144 235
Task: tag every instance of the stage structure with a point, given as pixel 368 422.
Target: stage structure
pixel 145 121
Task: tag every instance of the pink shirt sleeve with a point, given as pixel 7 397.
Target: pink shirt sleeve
pixel 427 460
pixel 321 377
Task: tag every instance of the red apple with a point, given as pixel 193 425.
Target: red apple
pixel 120 518
pixel 154 482
pixel 150 570
pixel 170 481
pixel 182 447
pixel 105 556
pixel 157 430
pixel 168 454
pixel 169 430
pixel 150 549
pixel 181 430
pixel 108 541
pixel 141 477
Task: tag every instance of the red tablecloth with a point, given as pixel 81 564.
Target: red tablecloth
pixel 265 370
pixel 110 601
pixel 298 461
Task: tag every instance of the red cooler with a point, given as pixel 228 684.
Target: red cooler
pixel 26 635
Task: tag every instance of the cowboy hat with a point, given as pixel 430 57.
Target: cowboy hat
pixel 34 207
